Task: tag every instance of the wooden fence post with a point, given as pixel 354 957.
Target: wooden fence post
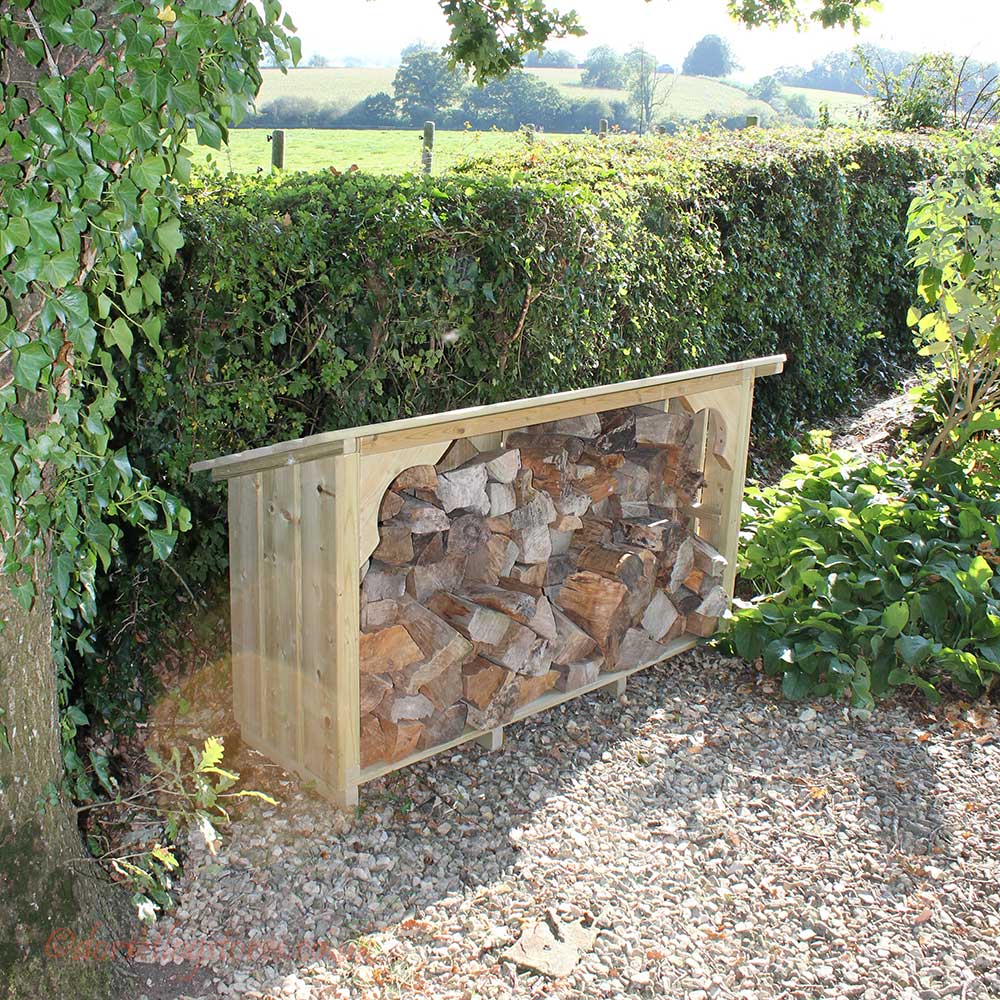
pixel 427 151
pixel 278 149
pixel 603 133
pixel 753 121
pixel 529 131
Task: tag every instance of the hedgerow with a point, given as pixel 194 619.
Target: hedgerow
pixel 312 302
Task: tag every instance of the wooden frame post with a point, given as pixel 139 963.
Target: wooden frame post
pixel 346 678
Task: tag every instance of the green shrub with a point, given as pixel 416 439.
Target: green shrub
pixel 870 575
pixel 313 302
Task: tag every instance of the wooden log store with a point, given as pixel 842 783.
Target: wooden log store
pixel 402 588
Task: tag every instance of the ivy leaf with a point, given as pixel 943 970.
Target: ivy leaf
pixel 29 362
pixel 168 236
pixel 162 542
pixel 120 334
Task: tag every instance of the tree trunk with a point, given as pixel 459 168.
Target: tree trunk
pixel 58 911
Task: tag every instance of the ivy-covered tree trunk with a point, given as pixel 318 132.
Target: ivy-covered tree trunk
pixel 55 899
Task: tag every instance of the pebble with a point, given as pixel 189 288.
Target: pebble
pixel 727 843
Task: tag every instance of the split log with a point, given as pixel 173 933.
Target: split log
pixel 383 582
pixel 441 646
pixel 715 603
pixel 653 533
pixel 536 510
pixel 445 689
pixel 659 427
pixel 502 465
pixel 628 510
pixel 378 614
pixel 543 623
pixel 501 707
pixel 417 477
pixel 595 481
pixel 682 565
pixel 587 425
pixel 520 650
pixel 532 688
pixel 572 502
pixel 597 605
pixel 501 498
pixel 703 626
pixel 632 481
pixel 374 745
pixel 557 569
pixel 468 533
pixel 387 650
pixel 481 625
pixel 499 525
pixel 481 680
pixel 395 545
pixel 572 642
pixel 447 574
pixel 614 562
pixel 593 531
pixel 576 675
pixel 429 548
pixel 534 545
pixel 660 617
pixel 637 650
pixel 444 726
pixel 491 561
pixel 520 606
pixel 686 601
pixel 464 489
pixel 392 504
pixel 697 581
pixel 461 452
pixel 560 542
pixel 422 518
pixel 530 573
pixel 707 558
pixel 404 707
pixel 617 431
pixel 374 688
pixel 401 738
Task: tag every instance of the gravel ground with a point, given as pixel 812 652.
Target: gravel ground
pixel 727 842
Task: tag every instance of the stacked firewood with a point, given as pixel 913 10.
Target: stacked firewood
pixel 501 576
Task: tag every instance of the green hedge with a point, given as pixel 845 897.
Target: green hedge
pixel 321 301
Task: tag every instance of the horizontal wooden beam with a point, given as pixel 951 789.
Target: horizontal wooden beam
pixel 477 420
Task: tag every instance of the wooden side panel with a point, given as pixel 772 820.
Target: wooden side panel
pixel 319 623
pixel 725 475
pixel 280 576
pixel 347 619
pixel 244 599
pixel 376 473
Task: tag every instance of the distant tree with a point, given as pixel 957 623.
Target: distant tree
pixel 353 62
pixel 665 68
pixel 603 68
pixel 711 56
pixel 415 48
pixel 798 105
pixel 843 71
pixel 426 84
pixel 515 100
pixel 557 59
pixel 767 89
pixel 268 60
pixel 318 61
pixel 648 89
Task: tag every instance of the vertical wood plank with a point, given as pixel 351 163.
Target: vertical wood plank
pixel 279 573
pixel 244 599
pixel 319 623
pixel 724 487
pixel 346 689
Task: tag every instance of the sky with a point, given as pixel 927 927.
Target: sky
pixel 376 30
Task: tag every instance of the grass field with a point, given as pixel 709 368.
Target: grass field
pixel 843 107
pixel 374 151
pixel 690 97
